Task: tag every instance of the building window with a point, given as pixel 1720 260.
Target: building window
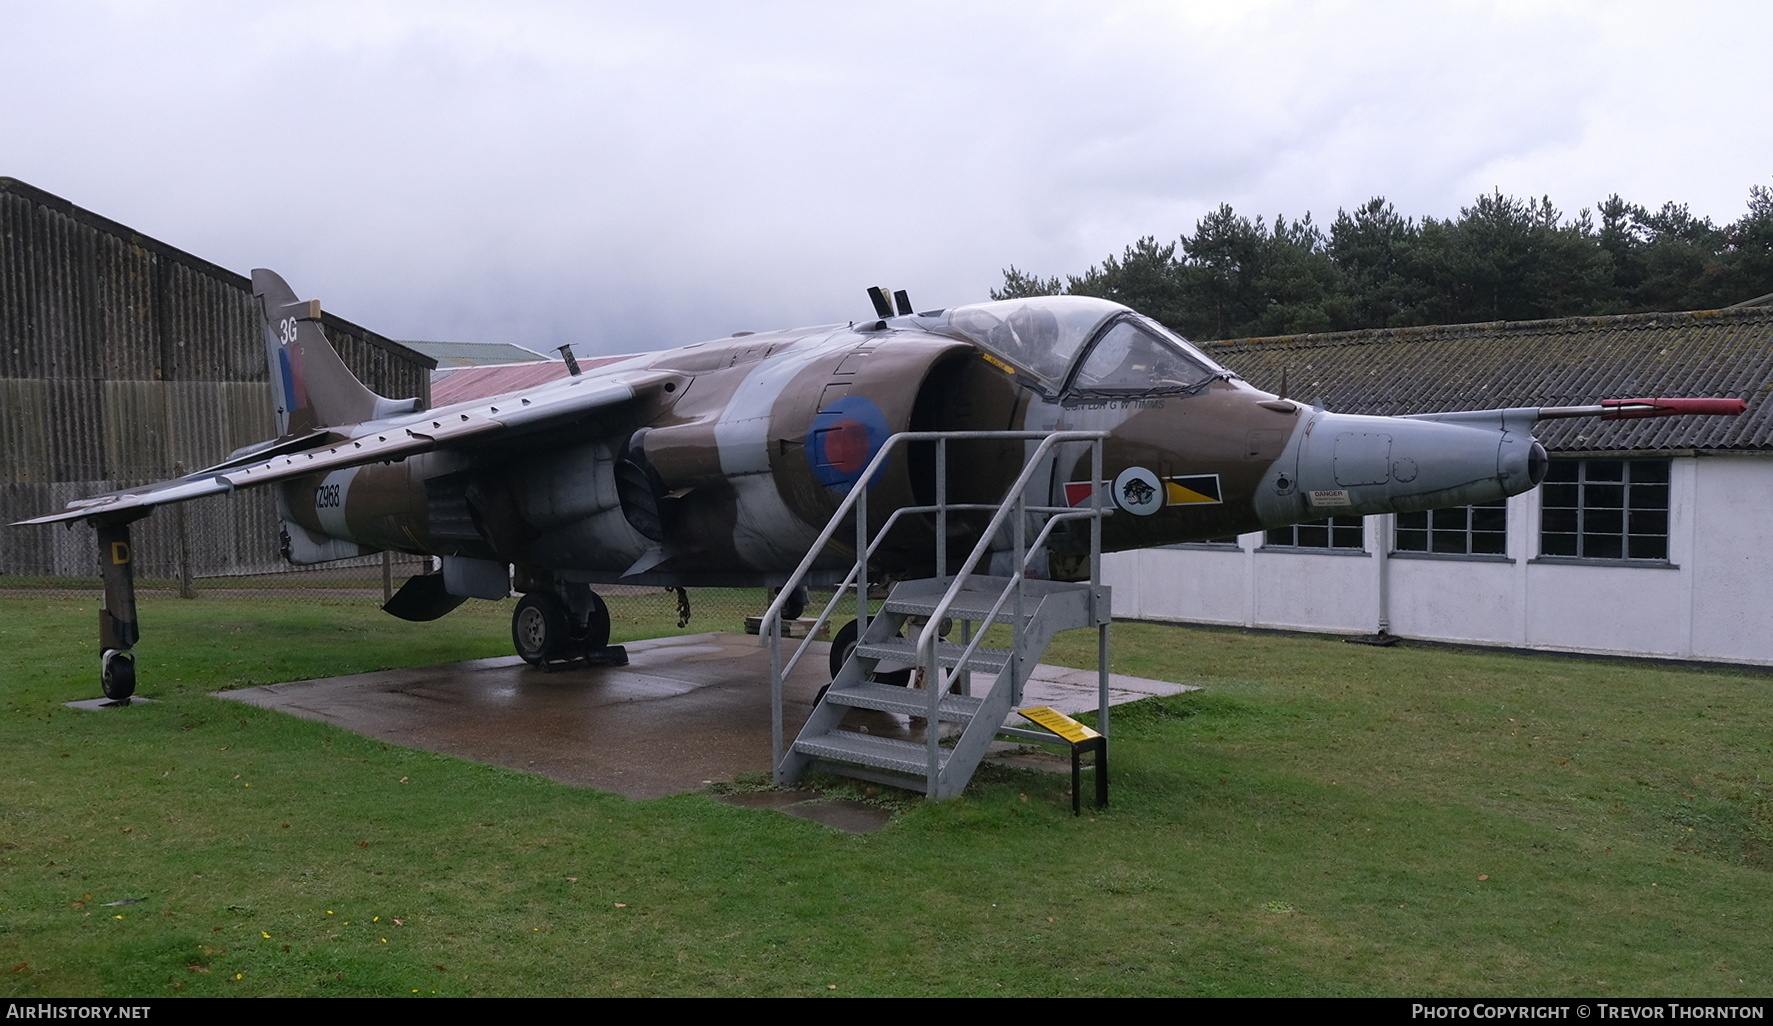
pixel 1605 509
pixel 1480 530
pixel 1330 533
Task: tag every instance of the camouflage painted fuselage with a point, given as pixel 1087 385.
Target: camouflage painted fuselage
pixel 724 467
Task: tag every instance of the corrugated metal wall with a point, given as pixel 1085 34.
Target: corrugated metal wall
pixel 121 358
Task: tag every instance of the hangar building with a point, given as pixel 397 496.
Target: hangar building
pixel 1649 537
pixel 123 360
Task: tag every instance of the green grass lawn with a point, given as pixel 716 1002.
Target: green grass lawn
pixel 1322 819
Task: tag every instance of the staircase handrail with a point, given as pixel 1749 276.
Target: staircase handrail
pixel 1058 512
pixel 770 629
pixel 1014 579
pixel 874 465
pixel 1014 500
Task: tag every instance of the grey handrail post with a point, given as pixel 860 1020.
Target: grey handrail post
pixel 861 559
pixel 1103 617
pixel 941 507
pixel 1020 548
pixel 775 630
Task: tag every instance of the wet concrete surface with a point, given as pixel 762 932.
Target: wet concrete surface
pixel 837 813
pixel 100 704
pixel 685 712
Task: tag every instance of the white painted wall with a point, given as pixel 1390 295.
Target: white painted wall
pixel 1731 608
pixel 1715 602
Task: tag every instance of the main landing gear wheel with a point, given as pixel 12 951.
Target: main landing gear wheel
pixel 541 626
pixel 845 643
pixel 593 634
pixel 544 629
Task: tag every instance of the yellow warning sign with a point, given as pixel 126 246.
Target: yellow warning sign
pixel 1059 723
pixel 999 364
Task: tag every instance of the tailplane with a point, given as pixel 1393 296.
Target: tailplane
pixel 311 387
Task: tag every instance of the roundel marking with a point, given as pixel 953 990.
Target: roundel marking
pixel 843 437
pixel 846 446
pixel 1138 491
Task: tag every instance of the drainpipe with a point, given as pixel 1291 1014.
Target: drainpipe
pixel 1382 556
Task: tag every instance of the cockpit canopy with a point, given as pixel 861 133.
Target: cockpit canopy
pixel 1043 337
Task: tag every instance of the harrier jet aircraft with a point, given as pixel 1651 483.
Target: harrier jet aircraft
pixel 718 463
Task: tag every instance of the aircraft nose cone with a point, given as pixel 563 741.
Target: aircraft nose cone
pixel 1356 465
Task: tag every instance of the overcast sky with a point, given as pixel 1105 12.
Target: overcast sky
pixel 630 176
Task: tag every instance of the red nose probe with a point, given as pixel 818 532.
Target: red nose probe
pixel 1633 409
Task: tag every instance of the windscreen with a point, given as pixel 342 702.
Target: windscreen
pixel 1137 356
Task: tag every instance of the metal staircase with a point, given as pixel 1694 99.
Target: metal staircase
pixel 959 722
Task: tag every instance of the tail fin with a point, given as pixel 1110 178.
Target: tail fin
pixel 310 386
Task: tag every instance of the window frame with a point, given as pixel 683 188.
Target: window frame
pixel 1437 524
pixel 1643 511
pixel 1294 545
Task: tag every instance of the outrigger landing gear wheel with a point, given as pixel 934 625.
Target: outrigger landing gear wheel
pixel 540 627
pixel 117 675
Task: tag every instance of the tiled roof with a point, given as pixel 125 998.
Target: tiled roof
pixel 475 354
pixel 1566 362
pixel 460 384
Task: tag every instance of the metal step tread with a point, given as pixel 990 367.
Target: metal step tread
pixel 967 606
pixel 920 597
pixel 905 701
pixel 909 781
pixel 909 757
pixel 948 653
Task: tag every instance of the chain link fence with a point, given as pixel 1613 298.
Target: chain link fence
pixel 224 546
pixel 187 564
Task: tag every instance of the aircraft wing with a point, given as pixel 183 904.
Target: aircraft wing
pixel 381 441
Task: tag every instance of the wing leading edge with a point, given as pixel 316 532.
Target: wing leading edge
pixel 330 421
pixel 383 441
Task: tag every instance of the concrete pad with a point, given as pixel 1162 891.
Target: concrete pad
pixel 96 704
pixel 683 713
pixel 837 813
pixel 1074 691
pixel 767 799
